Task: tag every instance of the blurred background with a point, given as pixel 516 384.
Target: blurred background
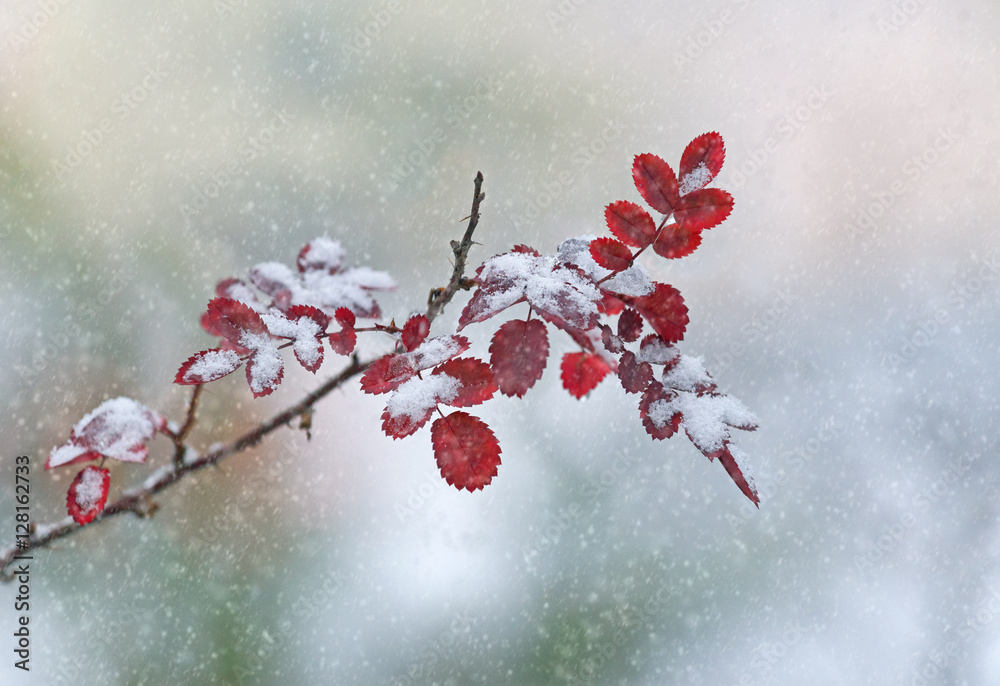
pixel 149 150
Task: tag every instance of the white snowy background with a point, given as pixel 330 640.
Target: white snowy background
pixel 851 301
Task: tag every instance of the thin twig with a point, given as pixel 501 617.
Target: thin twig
pixel 440 297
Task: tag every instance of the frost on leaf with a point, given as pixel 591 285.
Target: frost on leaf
pixel 701 162
pixel 321 281
pixel 265 367
pixel 664 309
pixel 518 354
pixel 466 450
pixel 208 365
pixel 703 209
pixel 630 223
pixel 88 494
pixel 551 288
pixel 656 182
pixel 475 381
pixel 303 325
pixel 119 428
pixel 581 372
pixel 413 402
pixel 388 372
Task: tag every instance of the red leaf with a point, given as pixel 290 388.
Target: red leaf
pixel 676 241
pixel 476 379
pixel 630 223
pixel 206 366
pixel 345 317
pixel 656 182
pixel 231 318
pixel 703 209
pixel 635 376
pixel 343 342
pixel 629 326
pixel 518 353
pixel 264 372
pixel 304 325
pixel 387 373
pixel 119 428
pixel 581 372
pixel 610 254
pixel 665 311
pixel 415 331
pixel 466 450
pixel 701 162
pixel 612 343
pixel 402 424
pixel 657 425
pixel 88 494
pixel 736 473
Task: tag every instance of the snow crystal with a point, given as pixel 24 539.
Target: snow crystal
pixel 633 281
pixel 708 418
pixel 239 291
pixel 266 364
pixel 323 253
pixel 434 351
pixel 660 412
pixel 272 277
pixel 304 331
pixel 89 489
pixel 214 364
pixel 695 179
pixel 655 351
pixel 576 251
pixel 547 285
pixel 117 428
pixel 415 397
pixel 687 374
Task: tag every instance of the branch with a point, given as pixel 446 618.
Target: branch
pixel 440 297
pixel 140 501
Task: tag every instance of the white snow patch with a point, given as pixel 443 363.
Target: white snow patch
pixel 90 488
pixel 687 374
pixel 414 398
pixel 323 253
pixel 655 351
pixel 118 428
pixel 633 281
pixel 266 364
pixel 695 179
pixel 212 365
